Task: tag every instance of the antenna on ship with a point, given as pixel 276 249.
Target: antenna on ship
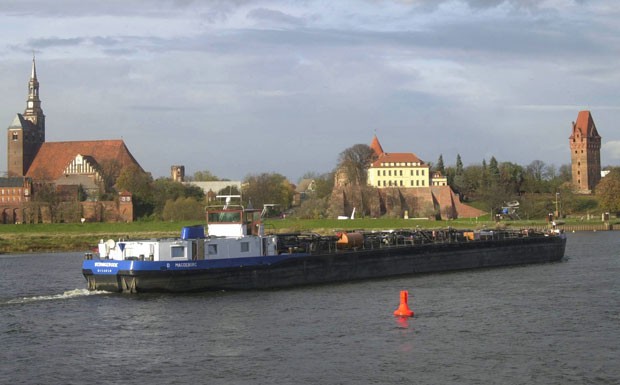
pixel 227 199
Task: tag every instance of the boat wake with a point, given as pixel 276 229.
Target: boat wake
pixel 66 295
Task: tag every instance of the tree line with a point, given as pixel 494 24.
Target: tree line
pixel 539 187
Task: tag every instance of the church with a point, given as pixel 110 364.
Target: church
pixel 73 171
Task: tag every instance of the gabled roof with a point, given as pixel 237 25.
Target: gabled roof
pixel 585 125
pixel 397 157
pixel 391 157
pixel 53 157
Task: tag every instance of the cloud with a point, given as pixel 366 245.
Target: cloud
pixel 273 16
pixel 298 82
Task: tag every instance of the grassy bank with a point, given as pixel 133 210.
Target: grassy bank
pixel 77 237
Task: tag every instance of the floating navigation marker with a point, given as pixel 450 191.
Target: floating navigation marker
pixel 403 310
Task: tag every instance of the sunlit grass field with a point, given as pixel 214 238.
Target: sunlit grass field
pixel 76 236
pixel 23 238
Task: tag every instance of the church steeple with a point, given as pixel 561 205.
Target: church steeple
pixel 33 111
pixel 27 132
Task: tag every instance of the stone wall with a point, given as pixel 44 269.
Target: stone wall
pixel 437 202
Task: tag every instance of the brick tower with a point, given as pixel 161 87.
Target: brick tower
pixel 585 147
pixel 27 132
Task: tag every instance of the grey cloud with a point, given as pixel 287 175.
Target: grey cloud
pixel 273 16
pixel 54 42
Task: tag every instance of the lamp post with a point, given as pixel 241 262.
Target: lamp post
pixel 557 212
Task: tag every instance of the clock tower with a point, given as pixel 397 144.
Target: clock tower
pixel 27 132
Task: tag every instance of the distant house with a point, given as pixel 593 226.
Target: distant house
pixel 305 188
pixel 14 192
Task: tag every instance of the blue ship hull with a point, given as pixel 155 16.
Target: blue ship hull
pixel 294 269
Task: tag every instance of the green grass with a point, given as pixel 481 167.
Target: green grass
pixel 68 228
pixel 75 236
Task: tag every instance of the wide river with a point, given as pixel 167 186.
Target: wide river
pixel 555 323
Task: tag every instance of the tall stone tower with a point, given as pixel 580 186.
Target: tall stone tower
pixel 177 173
pixel 585 147
pixel 27 132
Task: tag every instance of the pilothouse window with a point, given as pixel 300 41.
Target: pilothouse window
pixel 225 217
pixel 177 252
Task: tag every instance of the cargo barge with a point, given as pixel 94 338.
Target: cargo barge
pixel 236 254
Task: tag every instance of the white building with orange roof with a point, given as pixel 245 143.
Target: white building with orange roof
pixel 399 169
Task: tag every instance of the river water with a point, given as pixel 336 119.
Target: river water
pixel 555 323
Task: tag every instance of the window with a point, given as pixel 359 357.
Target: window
pixel 245 247
pixel 401 172
pixel 15 136
pixel 224 217
pixel 378 172
pixel 212 249
pixel 177 252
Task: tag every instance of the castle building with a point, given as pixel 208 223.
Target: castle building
pixel 405 187
pixel 89 166
pixel 585 147
pixel 400 169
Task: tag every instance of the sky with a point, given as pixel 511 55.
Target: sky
pixel 241 87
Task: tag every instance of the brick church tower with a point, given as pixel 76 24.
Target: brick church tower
pixel 585 147
pixel 27 132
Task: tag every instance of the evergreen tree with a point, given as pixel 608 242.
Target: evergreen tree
pixel 459 165
pixel 484 179
pixel 440 166
pixel 493 171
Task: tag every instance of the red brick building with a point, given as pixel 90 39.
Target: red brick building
pixel 76 171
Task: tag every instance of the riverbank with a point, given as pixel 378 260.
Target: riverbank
pixel 27 238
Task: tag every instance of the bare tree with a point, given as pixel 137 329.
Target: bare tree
pixel 354 162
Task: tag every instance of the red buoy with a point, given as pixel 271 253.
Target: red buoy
pixel 403 310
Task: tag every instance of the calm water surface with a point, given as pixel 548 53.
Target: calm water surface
pixel 556 323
